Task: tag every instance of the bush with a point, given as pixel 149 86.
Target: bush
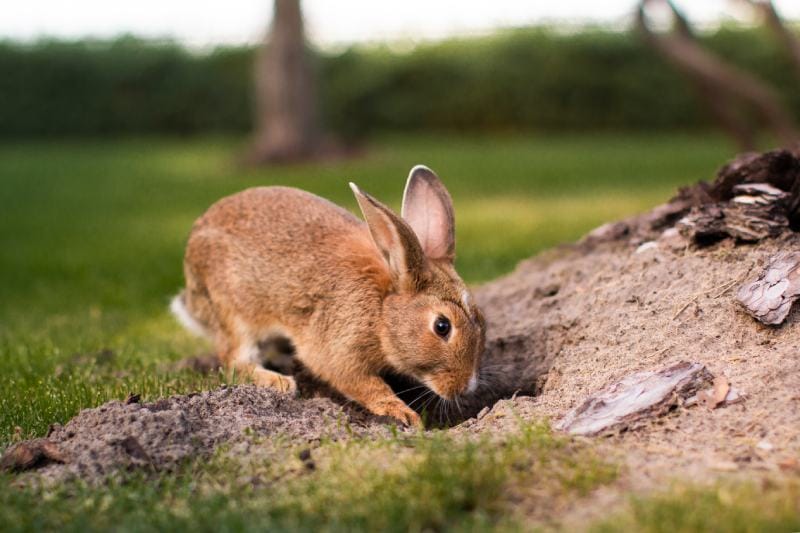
pixel 126 86
pixel 515 80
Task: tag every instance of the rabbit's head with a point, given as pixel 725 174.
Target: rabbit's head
pixel 430 327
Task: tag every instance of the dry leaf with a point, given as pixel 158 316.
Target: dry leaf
pixel 790 464
pixel 715 396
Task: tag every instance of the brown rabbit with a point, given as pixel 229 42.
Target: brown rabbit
pixel 355 299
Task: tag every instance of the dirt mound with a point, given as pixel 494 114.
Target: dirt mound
pixel 617 312
pixel 645 294
pixel 648 272
pixel 120 436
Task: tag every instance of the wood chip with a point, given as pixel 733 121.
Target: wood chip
pixel 133 398
pixel 760 189
pixel 31 454
pixel 636 398
pixel 747 220
pixel 769 298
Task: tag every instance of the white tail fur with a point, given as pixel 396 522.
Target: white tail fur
pixel 178 309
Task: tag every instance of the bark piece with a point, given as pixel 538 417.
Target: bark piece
pixel 779 168
pixel 755 196
pixel 754 211
pixel 769 298
pixel 757 193
pixel 133 398
pixel 640 228
pixel 636 398
pixel 31 454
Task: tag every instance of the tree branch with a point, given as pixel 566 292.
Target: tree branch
pixel 721 85
pixel 773 20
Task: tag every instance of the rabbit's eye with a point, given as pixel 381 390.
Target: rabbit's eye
pixel 441 326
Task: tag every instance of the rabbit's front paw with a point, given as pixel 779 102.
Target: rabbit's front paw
pixel 274 380
pixel 404 415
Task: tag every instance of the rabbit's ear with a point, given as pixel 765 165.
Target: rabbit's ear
pixel 394 239
pixel 428 209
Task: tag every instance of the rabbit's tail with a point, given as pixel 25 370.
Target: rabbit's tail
pixel 185 317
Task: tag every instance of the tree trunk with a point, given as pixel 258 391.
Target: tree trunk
pixel 774 22
pixel 287 126
pixel 725 89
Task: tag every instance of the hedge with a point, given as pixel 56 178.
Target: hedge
pixel 529 79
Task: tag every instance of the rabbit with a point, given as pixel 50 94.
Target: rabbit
pixel 356 299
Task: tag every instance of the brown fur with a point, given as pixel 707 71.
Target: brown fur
pixel 355 299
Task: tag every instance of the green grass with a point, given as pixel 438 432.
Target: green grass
pixel 725 508
pixel 415 483
pixel 91 242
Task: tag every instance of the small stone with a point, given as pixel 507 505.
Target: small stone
pixel 765 445
pixel 649 245
pixel 724 466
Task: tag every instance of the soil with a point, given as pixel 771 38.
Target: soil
pixel 618 312
pixel 158 436
pixel 633 296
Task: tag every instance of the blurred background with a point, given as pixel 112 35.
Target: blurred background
pixel 120 123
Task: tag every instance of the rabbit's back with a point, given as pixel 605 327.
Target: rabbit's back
pixel 275 253
pixel 274 216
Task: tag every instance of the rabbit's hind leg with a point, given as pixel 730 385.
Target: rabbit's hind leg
pixel 241 355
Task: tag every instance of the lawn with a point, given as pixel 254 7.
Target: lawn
pixel 91 240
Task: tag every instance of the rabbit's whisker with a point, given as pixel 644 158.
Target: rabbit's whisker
pixel 421 396
pixel 409 390
pixel 425 407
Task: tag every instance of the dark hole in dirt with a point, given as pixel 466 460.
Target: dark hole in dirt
pixel 707 239
pixel 434 411
pixel 407 389
pixel 277 353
